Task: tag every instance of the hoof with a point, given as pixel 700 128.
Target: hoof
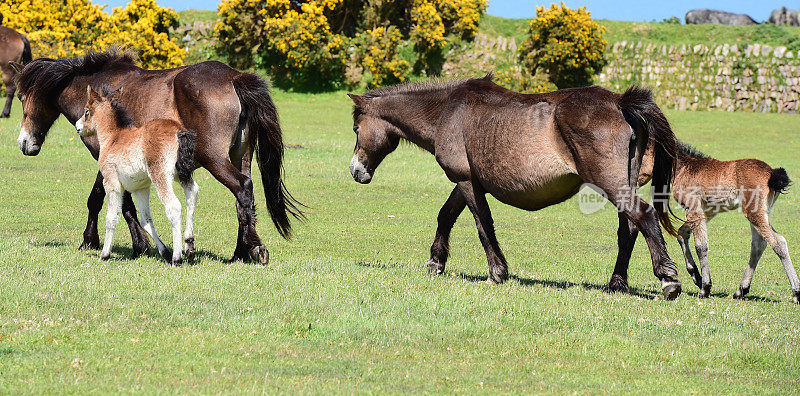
pixel 497 275
pixel 5 115
pixel 176 263
pixel 617 284
pixel 434 267
pixel 671 290
pixel 796 297
pixel 140 249
pixel 90 245
pixel 705 291
pixel 166 255
pixel 740 293
pixel 104 258
pixel 189 254
pixel 260 254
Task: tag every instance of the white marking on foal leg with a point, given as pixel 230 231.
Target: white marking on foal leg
pixel 142 198
pixel 192 191
pixel 172 206
pixel 112 218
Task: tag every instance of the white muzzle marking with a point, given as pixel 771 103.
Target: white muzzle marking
pixel 25 142
pixel 359 171
pixel 79 127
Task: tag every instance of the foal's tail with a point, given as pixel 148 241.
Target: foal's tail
pixel 648 122
pixel 185 162
pixel 26 51
pixel 779 181
pixel 262 120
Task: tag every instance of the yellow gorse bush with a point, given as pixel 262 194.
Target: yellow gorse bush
pixel 567 44
pixel 72 27
pixel 312 43
pixel 377 52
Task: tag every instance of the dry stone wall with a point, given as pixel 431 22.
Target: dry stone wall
pixel 697 77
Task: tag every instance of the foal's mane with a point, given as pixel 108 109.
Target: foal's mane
pixel 48 77
pixel 122 117
pixel 689 151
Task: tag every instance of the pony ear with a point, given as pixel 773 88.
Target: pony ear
pixel 358 100
pixel 16 66
pixel 91 94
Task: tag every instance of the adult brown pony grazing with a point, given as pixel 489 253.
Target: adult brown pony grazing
pixel 706 187
pixel 14 47
pixel 529 151
pixel 230 112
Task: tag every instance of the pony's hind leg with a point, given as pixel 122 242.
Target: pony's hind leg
pixel 626 240
pixel 143 200
pixel 778 244
pixel 757 246
pixel 172 207
pixel 440 249
pixel 191 190
pixel 475 198
pixel 11 89
pixel 684 235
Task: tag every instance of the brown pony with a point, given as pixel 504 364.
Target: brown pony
pixel 705 187
pixel 529 151
pixel 14 47
pixel 131 158
pixel 231 112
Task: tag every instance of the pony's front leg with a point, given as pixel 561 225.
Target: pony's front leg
pixel 475 198
pixel 114 193
pixel 91 239
pixel 191 190
pixel 440 250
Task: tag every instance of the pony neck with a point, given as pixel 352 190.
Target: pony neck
pixel 415 114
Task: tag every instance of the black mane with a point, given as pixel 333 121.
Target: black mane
pixel 423 86
pixel 48 77
pixel 689 151
pixel 122 117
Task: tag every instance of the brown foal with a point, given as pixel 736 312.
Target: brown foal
pixel 706 187
pixel 131 158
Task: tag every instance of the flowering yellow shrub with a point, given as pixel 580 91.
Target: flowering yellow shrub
pixel 518 82
pixel 71 27
pixel 313 42
pixel 461 16
pixel 377 53
pixel 297 46
pixel 143 27
pixel 567 44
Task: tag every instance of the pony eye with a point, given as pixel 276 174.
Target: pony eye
pixel 356 128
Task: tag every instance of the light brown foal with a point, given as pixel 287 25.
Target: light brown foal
pixel 131 158
pixel 706 187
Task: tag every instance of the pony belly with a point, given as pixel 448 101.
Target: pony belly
pixel 542 194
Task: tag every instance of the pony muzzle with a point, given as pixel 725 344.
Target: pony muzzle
pixel 26 144
pixel 359 172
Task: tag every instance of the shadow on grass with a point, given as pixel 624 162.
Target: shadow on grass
pixel 562 285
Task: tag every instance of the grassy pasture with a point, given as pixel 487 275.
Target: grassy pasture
pixel 346 305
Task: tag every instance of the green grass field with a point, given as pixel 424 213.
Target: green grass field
pixel 347 307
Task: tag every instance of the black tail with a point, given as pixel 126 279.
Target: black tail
pixel 779 180
pixel 185 162
pixel 26 51
pixel 262 120
pixel 647 120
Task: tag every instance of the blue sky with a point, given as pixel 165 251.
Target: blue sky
pixel 623 10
